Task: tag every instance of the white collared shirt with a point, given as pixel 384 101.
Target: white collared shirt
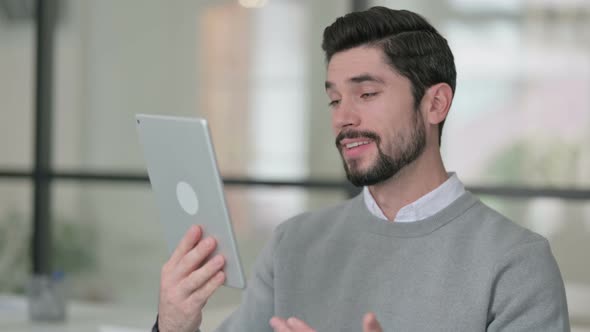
pixel 425 206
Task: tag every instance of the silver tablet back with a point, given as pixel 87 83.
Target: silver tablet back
pixel 183 173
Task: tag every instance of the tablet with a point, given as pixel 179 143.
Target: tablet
pixel 183 173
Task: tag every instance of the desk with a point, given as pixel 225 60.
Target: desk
pixel 89 317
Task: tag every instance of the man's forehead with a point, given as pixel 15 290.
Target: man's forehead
pixel 364 62
pixel 357 58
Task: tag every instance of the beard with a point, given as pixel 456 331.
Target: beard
pixel 409 148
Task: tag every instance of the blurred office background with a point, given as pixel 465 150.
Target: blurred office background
pixel 517 135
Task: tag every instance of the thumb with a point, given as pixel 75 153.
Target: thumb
pixel 370 323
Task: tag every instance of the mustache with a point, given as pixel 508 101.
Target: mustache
pixel 356 134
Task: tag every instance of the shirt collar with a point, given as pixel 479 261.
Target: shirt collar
pixel 425 206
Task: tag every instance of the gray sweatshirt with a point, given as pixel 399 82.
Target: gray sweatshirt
pixel 466 268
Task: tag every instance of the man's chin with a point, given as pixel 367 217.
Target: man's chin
pixel 366 179
pixel 360 177
pixel 359 165
pixel 367 176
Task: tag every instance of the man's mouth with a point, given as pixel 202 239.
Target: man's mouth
pixel 355 144
pixel 353 139
pixel 354 148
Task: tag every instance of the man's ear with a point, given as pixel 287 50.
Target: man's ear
pixel 437 103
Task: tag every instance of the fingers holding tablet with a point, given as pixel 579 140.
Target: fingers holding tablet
pixel 190 239
pixel 205 283
pixel 188 279
pixel 196 257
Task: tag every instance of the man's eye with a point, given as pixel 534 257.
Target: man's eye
pixel 334 103
pixel 368 94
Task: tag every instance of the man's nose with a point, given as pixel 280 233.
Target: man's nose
pixel 346 115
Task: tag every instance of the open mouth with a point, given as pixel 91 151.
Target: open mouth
pixel 355 148
pixel 356 144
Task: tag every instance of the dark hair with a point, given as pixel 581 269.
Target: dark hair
pixel 412 46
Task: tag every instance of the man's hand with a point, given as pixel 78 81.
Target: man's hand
pixel 187 282
pixel 290 325
pixel 370 324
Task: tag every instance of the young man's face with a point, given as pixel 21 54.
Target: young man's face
pixel 377 129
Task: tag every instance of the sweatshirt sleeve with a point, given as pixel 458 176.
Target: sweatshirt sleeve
pixel 257 306
pixel 527 291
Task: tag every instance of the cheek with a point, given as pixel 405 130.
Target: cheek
pixel 383 114
pixel 393 133
pixel 335 130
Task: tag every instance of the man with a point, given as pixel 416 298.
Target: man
pixel 414 251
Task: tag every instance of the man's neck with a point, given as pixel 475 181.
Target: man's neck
pixel 412 182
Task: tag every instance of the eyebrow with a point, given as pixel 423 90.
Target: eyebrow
pixel 358 79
